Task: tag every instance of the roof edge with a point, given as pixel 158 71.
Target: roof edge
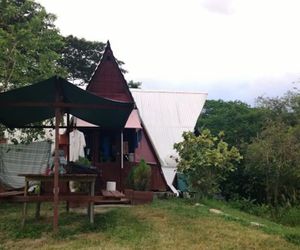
pixel 167 91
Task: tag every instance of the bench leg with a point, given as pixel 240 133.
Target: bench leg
pixel 24 214
pixel 24 205
pixel 37 210
pixel 38 205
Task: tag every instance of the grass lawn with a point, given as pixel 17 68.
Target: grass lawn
pixel 165 224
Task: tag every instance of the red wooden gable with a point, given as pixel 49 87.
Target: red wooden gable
pixel 108 80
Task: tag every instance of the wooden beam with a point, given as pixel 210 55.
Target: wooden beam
pixel 60 105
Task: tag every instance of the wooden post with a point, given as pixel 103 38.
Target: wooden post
pixel 122 161
pixel 91 207
pixel 68 155
pixel 68 136
pixel 56 168
pixel 25 203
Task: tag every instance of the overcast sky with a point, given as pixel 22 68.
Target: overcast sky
pixel 231 49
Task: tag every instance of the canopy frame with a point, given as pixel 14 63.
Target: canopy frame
pixel 60 106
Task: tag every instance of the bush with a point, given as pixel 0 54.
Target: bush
pixel 291 217
pixel 139 177
pixel 205 160
pixel 249 206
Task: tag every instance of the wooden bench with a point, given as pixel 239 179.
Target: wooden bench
pixel 10 194
pixel 112 194
pixel 70 198
pixel 88 198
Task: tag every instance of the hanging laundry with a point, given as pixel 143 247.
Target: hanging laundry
pixel 77 145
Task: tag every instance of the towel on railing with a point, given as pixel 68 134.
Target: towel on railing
pixel 22 159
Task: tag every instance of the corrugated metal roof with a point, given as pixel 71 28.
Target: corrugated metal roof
pixel 166 115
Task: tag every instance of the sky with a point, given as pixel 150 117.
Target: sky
pixel 230 49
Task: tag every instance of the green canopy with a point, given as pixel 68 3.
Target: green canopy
pixel 53 97
pixel 38 102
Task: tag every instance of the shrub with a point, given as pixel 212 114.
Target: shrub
pixel 291 217
pixel 139 177
pixel 205 160
pixel 251 207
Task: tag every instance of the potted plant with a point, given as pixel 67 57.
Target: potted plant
pixel 138 181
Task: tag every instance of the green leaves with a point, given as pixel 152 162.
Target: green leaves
pixel 238 120
pixel 204 159
pixel 139 177
pixel 80 57
pixel 275 156
pixel 30 44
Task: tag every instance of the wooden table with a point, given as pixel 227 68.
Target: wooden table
pixel 38 198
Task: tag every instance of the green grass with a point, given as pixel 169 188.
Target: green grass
pixel 165 224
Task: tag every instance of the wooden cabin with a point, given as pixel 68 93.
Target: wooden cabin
pixel 156 123
pixel 103 146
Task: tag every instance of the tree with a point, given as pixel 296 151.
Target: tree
pixel 81 57
pixel 30 49
pixel 134 85
pixel 238 120
pixel 284 109
pixel 241 124
pixel 29 44
pixel 274 158
pixel 205 159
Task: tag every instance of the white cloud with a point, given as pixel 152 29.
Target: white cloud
pixel 219 6
pixel 229 48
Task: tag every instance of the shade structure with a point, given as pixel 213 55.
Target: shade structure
pixel 38 102
pixel 132 122
pixel 53 97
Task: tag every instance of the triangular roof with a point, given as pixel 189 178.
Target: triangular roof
pixel 108 80
pixel 165 116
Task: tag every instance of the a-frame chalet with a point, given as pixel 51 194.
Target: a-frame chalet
pixel 104 146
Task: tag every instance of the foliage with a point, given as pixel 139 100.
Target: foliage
pixel 250 130
pixel 134 85
pixel 81 57
pixel 251 207
pixel 240 123
pixel 290 217
pixel 272 159
pixel 84 161
pixel 30 49
pixel 238 120
pixel 29 42
pixel 275 156
pixel 205 160
pixel 139 177
pixel 285 109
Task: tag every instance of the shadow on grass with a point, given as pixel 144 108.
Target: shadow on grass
pixel 118 224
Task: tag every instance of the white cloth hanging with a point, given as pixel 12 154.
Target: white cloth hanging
pixel 77 144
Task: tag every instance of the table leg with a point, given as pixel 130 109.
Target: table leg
pixel 38 205
pixel 67 203
pixel 25 204
pixel 91 206
pixel 67 207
